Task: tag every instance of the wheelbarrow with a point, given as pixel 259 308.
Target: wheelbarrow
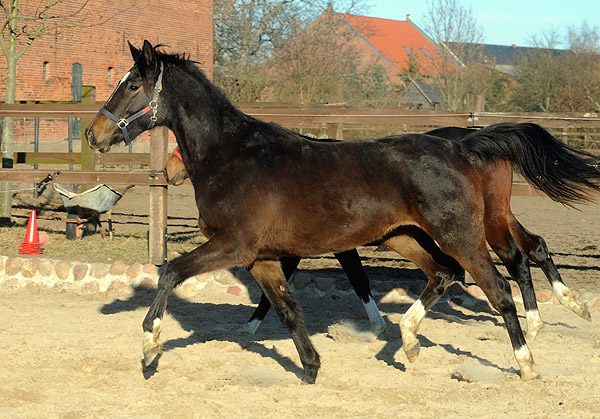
pixel 84 208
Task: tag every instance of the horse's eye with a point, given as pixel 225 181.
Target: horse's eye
pixel 133 87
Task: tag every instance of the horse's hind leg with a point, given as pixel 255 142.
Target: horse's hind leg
pixel 269 276
pixel 517 264
pixel 350 261
pixel 465 240
pixel 536 249
pixel 288 265
pixel 496 288
pixel 419 248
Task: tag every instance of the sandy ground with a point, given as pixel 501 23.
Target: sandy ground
pixel 71 356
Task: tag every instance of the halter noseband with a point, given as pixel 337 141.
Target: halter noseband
pixel 152 106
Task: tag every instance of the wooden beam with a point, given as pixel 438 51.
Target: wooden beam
pixel 157 228
pixel 112 177
pixel 49 110
pixel 31 157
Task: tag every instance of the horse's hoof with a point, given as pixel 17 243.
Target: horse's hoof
pixel 251 326
pixel 531 374
pixel 310 375
pixel 378 329
pixel 585 312
pixel 412 353
pixel 150 353
pixel 151 347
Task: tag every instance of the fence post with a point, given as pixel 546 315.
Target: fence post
pixel 88 156
pixel 335 131
pixel 157 229
pixel 475 103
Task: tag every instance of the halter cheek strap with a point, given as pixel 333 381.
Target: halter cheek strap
pixel 152 107
pixel 177 154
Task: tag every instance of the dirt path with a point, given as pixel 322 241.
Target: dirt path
pixel 70 356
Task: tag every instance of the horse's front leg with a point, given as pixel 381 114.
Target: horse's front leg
pixel 269 276
pixel 219 252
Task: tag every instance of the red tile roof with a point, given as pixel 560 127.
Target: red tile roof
pixel 393 39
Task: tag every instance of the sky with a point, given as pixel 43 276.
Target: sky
pixel 504 22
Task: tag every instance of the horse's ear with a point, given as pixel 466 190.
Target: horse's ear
pixel 149 55
pixel 135 52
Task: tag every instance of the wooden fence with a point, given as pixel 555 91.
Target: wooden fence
pixel 329 122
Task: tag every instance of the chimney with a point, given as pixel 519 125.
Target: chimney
pixel 408 16
pixel 329 6
pixel 514 45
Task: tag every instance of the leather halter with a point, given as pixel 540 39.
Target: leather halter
pixel 152 106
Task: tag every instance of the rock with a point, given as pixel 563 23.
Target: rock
pixel 342 283
pixel 63 269
pixel 134 270
pixel 118 268
pixel 45 268
pixel 91 287
pixel 543 296
pixel 323 283
pixel 29 268
pixel 116 286
pixel 234 290
pixel 79 272
pixel 384 286
pixel 99 270
pixel 150 269
pixel 13 266
pixel 474 291
pixel 146 284
pixel 301 280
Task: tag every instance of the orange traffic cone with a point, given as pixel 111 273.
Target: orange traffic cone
pixel 31 245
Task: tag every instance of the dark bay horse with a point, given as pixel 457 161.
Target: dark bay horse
pixel 264 192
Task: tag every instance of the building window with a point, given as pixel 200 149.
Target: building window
pixel 45 71
pixel 426 54
pixel 109 76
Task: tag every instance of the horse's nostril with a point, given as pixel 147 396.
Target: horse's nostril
pixel 90 136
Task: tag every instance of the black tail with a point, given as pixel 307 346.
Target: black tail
pixel 566 174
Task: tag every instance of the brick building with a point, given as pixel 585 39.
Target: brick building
pixel 99 52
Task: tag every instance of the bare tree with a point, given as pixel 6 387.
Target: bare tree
pixel 249 35
pixel 22 25
pixel 540 78
pixel 582 69
pixel 461 66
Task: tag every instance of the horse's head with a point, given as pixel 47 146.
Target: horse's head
pixel 175 169
pixel 134 105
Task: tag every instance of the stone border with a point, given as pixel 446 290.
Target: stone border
pixel 120 278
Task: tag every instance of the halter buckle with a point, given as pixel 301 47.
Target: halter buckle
pixel 122 123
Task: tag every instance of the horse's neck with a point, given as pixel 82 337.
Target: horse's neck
pixel 203 128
